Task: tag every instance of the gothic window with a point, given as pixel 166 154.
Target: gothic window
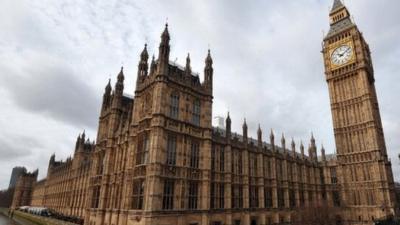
pixel 213 195
pixel 267 167
pixel 148 103
pixel 193 194
pixel 96 197
pixel 253 197
pixel 194 154
pixel 292 198
pixel 168 194
pixel 240 196
pixel 217 195
pixel 213 149
pixel 221 198
pixel 142 149
pixel 171 150
pixel 237 196
pixel 222 160
pixel 237 163
pixel 240 166
pixel 302 201
pixel 253 165
pixel 268 197
pixel 336 198
pixel 280 169
pixel 281 198
pixel 137 194
pixel 333 176
pixel 196 112
pixel 310 196
pixel 100 165
pixel 116 200
pixel 174 105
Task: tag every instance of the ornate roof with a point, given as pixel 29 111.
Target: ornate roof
pixel 337 4
pixel 339 27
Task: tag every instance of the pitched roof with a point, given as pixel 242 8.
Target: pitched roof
pixel 339 27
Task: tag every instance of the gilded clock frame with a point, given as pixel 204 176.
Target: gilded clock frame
pixel 333 47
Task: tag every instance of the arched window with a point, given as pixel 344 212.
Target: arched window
pixel 137 194
pixel 171 150
pixel 196 112
pixel 174 106
pixel 142 149
pixel 194 154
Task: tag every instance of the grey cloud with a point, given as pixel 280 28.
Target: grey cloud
pixel 55 91
pixel 13 147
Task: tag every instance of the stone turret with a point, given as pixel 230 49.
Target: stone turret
pixel 283 143
pixel 119 89
pixel 323 156
pixel 293 145
pixel 188 68
pixel 163 53
pixel 259 136
pixel 245 135
pixel 228 125
pixel 208 72
pixel 272 140
pixel 143 66
pixel 106 97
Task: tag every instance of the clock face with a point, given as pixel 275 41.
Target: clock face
pixel 341 55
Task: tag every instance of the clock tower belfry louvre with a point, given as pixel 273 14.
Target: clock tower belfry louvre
pixel 364 171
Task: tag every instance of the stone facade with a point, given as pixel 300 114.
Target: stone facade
pixel 158 160
pixel 16 172
pixel 364 170
pixel 24 188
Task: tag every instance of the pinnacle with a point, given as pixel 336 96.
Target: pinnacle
pixel 121 74
pixel 145 54
pixel 336 5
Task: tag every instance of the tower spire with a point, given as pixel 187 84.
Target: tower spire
pixel 228 126
pixel 244 130
pixel 108 87
pixel 163 52
pixel 208 71
pixel 302 149
pixel 107 95
pixel 259 136
pixel 323 153
pixel 119 86
pixel 119 89
pixel 153 65
pixel 143 65
pixel 188 68
pixel 272 139
pixel 337 4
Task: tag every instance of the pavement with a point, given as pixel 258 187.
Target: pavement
pixel 21 218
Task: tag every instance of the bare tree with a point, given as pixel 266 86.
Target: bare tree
pixel 316 214
pixel 6 197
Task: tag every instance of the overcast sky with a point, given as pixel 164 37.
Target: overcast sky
pixel 56 57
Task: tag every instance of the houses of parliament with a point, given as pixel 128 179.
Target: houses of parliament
pixel 158 160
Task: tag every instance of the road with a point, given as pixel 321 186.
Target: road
pixel 5 221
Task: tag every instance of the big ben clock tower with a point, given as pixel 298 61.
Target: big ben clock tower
pixel 364 171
